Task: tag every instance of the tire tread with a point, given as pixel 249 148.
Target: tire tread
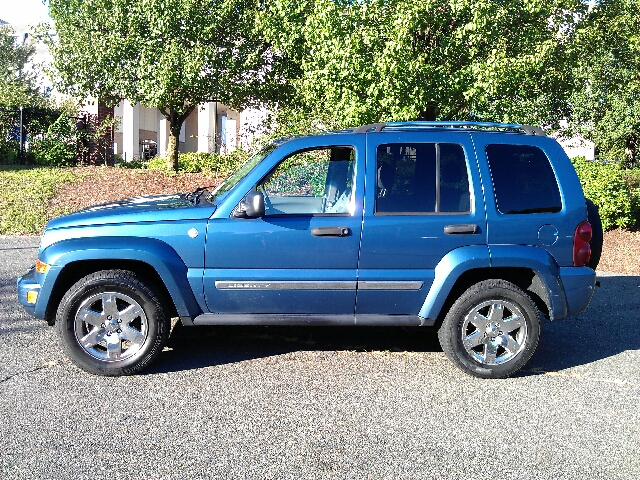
pixel 119 278
pixel 448 334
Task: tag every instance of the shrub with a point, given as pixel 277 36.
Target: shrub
pixel 58 147
pixel 8 152
pixel 605 185
pixel 220 165
pixel 132 164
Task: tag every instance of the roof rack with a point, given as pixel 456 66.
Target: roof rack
pixel 421 125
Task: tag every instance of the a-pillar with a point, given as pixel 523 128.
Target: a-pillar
pixel 130 131
pixel 206 127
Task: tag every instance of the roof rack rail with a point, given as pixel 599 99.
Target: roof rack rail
pixel 418 125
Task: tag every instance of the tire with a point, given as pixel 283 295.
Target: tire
pixel 474 333
pixel 111 323
pixel 597 235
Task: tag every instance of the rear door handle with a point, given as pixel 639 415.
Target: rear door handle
pixel 461 229
pixel 330 231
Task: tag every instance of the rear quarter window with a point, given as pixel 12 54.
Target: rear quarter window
pixel 523 179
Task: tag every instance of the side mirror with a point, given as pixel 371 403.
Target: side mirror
pixel 252 206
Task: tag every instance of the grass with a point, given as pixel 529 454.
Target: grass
pixel 24 197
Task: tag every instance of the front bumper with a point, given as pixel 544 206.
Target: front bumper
pixel 29 291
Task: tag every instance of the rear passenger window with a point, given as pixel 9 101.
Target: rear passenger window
pixel 523 180
pixel 421 178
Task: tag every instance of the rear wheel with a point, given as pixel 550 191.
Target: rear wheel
pixel 112 323
pixel 492 330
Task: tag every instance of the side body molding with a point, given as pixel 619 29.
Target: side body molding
pixel 155 253
pixel 448 270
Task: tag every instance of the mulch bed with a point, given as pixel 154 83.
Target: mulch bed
pixel 621 251
pixel 103 184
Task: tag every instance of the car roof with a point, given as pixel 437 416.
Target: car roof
pixel 425 126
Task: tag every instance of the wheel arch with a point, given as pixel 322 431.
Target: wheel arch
pixel 526 279
pixel 74 271
pixel 152 260
pixel 530 268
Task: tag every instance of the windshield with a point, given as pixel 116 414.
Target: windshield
pixel 234 179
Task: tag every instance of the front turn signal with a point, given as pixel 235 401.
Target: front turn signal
pixel 32 296
pixel 41 267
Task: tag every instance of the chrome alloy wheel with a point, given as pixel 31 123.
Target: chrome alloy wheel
pixel 494 332
pixel 111 326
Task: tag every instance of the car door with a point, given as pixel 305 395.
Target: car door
pixel 299 260
pixel 423 200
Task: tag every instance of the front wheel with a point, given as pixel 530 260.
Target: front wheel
pixel 111 323
pixel 492 330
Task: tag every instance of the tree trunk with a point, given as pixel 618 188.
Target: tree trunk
pixel 175 125
pixel 172 147
pixel 631 145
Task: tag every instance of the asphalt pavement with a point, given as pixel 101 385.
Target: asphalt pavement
pixel 347 403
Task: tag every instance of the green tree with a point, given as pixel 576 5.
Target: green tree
pixel 20 91
pixel 606 107
pixel 372 60
pixel 167 54
pixel 18 83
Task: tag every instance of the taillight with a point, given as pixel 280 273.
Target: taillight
pixel 581 247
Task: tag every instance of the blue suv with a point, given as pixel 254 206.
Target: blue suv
pixel 478 229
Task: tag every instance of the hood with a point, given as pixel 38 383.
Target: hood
pixel 151 208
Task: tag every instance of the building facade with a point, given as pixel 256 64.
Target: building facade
pixel 141 133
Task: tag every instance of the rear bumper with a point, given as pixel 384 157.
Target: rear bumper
pixel 29 291
pixel 579 285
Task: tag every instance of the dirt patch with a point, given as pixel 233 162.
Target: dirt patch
pixel 101 184
pixel 620 253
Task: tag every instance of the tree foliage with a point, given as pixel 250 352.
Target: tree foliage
pixel 18 82
pixel 378 60
pixel 605 185
pixel 167 54
pixel 21 92
pixel 606 104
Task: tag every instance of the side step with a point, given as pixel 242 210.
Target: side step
pixel 276 319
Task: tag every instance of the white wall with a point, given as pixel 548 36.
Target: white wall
pixel 198 133
pixel 148 118
pixel 578 147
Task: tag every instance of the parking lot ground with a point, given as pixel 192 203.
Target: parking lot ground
pixel 276 402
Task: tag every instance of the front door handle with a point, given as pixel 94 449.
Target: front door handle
pixel 330 231
pixel 461 229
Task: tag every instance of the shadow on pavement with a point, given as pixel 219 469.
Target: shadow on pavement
pixel 198 347
pixel 611 325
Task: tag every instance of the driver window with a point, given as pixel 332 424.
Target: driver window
pixel 311 182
